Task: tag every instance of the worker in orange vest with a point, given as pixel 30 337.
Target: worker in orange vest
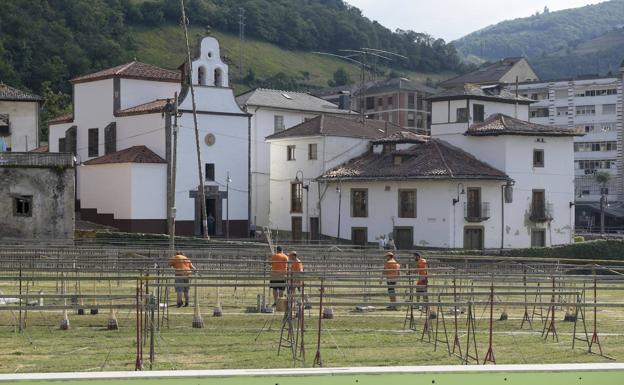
pixel 183 269
pixel 391 273
pixel 421 271
pixel 279 274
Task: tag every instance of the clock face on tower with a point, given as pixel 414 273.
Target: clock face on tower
pixel 209 139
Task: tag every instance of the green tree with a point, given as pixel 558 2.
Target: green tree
pixel 56 103
pixel 341 78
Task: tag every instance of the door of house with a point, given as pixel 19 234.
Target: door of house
pixel 538 238
pixel 296 224
pixel 211 216
pixel 404 238
pixel 314 229
pixel 359 236
pixel 473 238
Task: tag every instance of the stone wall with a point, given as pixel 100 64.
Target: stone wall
pixel 51 216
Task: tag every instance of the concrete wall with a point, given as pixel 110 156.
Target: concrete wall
pixel 52 191
pixel 23 123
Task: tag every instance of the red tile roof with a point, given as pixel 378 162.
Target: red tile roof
pixel 13 94
pixel 133 70
pixel 430 159
pixel 65 118
pixel 330 125
pixel 157 105
pixel 501 124
pixel 135 154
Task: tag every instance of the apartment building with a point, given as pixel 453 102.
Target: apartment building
pixel 591 106
pixel 400 101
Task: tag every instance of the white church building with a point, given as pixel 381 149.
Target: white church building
pixel 121 132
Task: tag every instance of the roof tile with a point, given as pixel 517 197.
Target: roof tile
pixel 343 126
pixel 431 159
pixel 135 154
pixel 13 94
pixel 133 70
pixel 500 124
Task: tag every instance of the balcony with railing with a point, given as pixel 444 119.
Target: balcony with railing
pixel 476 211
pixel 541 212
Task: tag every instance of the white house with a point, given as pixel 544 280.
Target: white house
pixel 412 189
pixel 121 131
pixel 492 124
pixel 19 119
pixel 273 111
pixel 304 152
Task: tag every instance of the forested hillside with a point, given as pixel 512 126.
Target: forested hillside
pixel 559 44
pixel 54 40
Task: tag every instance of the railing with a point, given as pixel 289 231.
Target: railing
pixel 36 159
pixel 541 212
pixel 476 211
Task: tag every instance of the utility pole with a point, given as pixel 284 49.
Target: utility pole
pixel 172 208
pixel 227 206
pixel 202 192
pixel 241 37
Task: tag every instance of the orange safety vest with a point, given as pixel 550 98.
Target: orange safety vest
pixel 279 264
pixel 181 264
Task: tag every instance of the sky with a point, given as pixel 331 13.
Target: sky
pixel 452 19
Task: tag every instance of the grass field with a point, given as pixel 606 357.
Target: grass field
pixel 235 340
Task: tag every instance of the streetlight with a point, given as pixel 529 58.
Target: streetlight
pixel 307 188
pixel 462 192
pixel 227 206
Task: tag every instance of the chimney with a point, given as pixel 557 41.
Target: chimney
pixel 344 100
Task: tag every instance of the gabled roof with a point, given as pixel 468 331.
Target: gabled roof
pixel 431 159
pixel 132 70
pixel 264 97
pixel 154 106
pixel 488 73
pixel 9 93
pixel 329 125
pixel 134 154
pixel 500 124
pixel 65 118
pixel 474 91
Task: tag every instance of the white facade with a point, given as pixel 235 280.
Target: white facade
pixel 23 119
pixel 331 152
pixel 266 120
pixel 126 190
pixel 513 154
pixel 593 107
pixel 438 222
pixel 219 117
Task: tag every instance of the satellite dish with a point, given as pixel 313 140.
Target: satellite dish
pixel 210 139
